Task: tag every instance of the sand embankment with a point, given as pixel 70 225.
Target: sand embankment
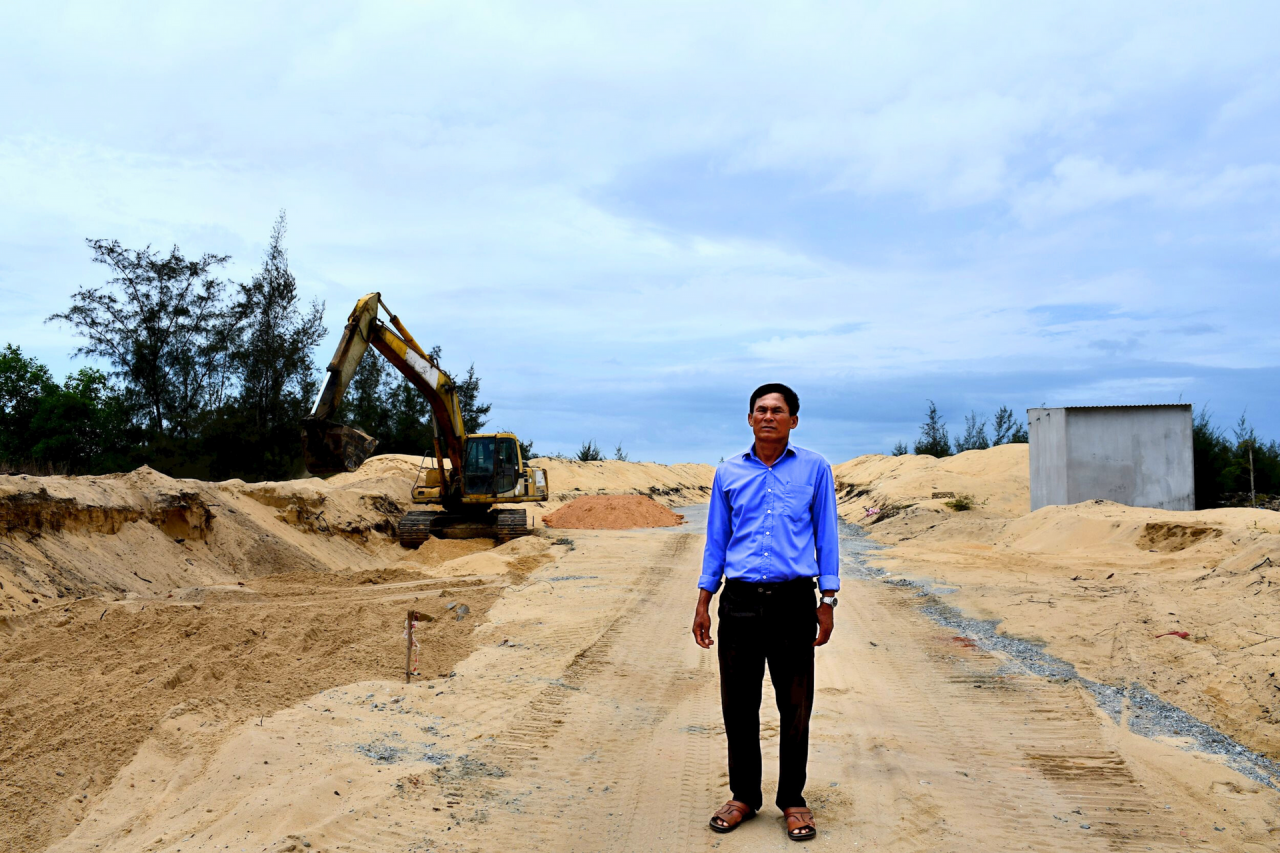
pixel 133 534
pixel 1097 582
pixel 670 485
pixel 997 479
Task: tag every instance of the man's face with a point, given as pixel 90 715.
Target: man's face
pixel 770 418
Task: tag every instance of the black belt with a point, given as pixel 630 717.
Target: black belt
pixel 738 586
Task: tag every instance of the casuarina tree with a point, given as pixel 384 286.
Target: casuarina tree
pixel 389 408
pixel 933 435
pixel 975 434
pixel 272 370
pixel 162 324
pixel 1008 429
pixel 474 413
pixel 275 337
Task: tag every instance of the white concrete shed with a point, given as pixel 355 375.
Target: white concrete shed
pixel 1135 455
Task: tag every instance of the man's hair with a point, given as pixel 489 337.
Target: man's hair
pixel 793 402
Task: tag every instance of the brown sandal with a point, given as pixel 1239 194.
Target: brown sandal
pixel 800 825
pixel 730 815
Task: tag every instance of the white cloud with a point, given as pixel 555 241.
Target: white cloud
pixel 967 165
pixel 1079 184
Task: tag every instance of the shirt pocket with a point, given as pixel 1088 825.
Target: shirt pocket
pixel 799 496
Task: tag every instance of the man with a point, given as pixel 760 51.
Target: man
pixel 771 532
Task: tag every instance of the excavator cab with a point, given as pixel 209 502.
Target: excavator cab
pixel 492 465
pixel 508 463
pixel 477 474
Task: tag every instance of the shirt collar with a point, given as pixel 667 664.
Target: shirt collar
pixel 750 452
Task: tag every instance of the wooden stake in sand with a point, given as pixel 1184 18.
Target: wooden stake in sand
pixel 408 646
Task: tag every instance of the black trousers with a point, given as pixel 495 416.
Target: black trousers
pixel 774 623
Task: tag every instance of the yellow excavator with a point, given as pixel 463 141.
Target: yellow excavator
pixel 483 470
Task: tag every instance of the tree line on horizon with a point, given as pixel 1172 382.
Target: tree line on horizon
pixel 1229 470
pixel 1236 469
pixel 935 441
pixel 204 377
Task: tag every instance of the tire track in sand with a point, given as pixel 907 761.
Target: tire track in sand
pixel 993 742
pixel 597 757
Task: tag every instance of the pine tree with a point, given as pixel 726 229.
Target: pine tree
pixel 934 440
pixel 275 336
pixel 474 413
pixel 1008 429
pixel 975 434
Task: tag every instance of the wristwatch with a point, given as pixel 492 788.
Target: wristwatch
pixel 829 599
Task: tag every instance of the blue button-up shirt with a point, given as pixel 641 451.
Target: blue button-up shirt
pixel 772 524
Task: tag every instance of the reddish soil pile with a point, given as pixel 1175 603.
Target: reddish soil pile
pixel 613 512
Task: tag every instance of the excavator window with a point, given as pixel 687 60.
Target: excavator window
pixel 508 464
pixel 478 471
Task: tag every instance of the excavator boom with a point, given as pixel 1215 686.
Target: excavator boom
pixel 330 447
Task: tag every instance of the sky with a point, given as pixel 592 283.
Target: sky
pixel 628 215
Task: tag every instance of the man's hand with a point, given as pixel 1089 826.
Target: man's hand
pixel 826 623
pixel 702 620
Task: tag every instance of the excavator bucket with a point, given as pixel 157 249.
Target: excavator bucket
pixel 332 448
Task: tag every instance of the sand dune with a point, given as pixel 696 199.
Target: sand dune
pixel 998 479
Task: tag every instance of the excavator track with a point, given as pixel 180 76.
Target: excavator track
pixel 511 524
pixel 501 525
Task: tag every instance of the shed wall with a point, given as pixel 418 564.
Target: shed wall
pixel 1046 430
pixel 1133 455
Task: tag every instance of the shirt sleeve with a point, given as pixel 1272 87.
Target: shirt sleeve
pixel 826 532
pixel 719 529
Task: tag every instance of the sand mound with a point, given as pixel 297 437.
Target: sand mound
pixel 144 533
pixel 613 512
pixel 519 556
pixel 435 551
pixel 998 480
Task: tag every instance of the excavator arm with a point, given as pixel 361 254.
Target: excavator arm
pixel 330 447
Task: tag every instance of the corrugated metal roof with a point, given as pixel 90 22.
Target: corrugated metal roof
pixel 1123 406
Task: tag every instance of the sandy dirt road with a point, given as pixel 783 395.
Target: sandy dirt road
pixel 588 720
